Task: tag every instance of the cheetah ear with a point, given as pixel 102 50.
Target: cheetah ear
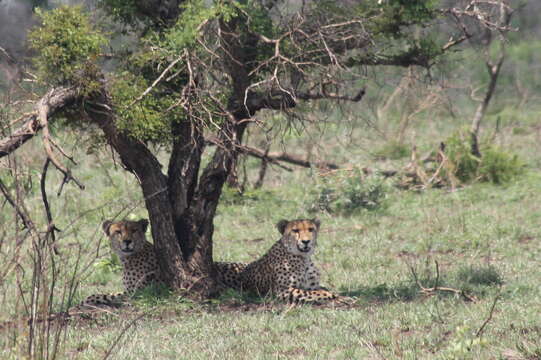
pixel 143 223
pixel 316 222
pixel 106 225
pixel 281 225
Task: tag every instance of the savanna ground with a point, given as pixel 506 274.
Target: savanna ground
pixel 482 238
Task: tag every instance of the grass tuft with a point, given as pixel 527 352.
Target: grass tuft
pixel 480 275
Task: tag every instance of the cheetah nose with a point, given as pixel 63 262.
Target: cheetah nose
pixel 305 242
pixel 128 242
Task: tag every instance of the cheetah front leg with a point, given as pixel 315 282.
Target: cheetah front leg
pixel 311 281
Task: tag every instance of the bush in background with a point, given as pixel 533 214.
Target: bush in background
pixel 347 192
pixel 495 165
pixel 393 151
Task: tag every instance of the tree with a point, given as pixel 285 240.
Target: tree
pixel 197 72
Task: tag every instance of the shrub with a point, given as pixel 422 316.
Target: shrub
pixel 349 192
pixel 480 275
pixel 495 165
pixel 68 48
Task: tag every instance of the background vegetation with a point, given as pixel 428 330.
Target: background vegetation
pixel 381 242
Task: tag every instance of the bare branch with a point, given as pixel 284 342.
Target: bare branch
pixel 52 102
pixel 42 117
pixel 157 81
pixel 490 313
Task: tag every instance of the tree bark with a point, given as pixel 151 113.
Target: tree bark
pixel 138 159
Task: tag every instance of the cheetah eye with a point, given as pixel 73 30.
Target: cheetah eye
pixel 296 231
pixel 311 229
pixel 117 232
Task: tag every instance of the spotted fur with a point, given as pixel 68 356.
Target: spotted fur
pixel 229 273
pixel 139 262
pixel 287 270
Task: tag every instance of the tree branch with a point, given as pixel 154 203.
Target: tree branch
pixel 47 106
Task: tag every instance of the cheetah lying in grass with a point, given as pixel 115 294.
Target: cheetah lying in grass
pixel 286 270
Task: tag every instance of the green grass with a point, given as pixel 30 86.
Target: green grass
pixel 484 238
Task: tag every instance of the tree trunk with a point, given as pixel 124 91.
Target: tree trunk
pixel 137 158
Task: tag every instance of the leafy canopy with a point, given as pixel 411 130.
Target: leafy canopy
pixel 68 48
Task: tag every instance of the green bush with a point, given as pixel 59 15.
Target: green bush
pixel 480 275
pixel 495 164
pixel 498 166
pixel 67 48
pixel 349 192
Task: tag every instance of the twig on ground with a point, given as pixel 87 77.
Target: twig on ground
pixel 434 290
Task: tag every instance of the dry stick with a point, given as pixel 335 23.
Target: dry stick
pixel 436 288
pixel 149 89
pixel 43 110
pixel 51 227
pixel 491 312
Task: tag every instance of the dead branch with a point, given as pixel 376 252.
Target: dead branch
pixel 51 227
pixel 490 313
pixel 42 116
pixel 49 104
pixel 493 68
pixel 297 160
pixel 365 170
pixel 262 169
pixel 250 151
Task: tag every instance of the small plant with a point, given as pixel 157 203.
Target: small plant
pixel 480 275
pixel 495 165
pixel 152 295
pixel 349 192
pixel 108 265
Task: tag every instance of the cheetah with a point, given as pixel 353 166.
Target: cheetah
pixel 138 258
pixel 286 270
pixel 139 261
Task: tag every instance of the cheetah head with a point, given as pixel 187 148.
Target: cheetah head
pixel 299 236
pixel 127 237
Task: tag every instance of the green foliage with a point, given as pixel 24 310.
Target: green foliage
pixel 122 10
pixel 392 150
pixel 498 166
pixel 349 192
pixel 186 30
pixel 250 17
pixel 145 119
pixel 68 48
pixel 108 265
pixel 390 17
pixel 152 295
pixel 495 165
